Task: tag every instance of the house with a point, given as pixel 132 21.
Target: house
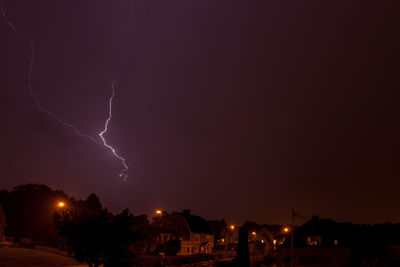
pixel 220 229
pixel 324 242
pixel 261 241
pixel 318 241
pixel 195 233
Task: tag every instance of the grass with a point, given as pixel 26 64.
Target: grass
pixel 19 257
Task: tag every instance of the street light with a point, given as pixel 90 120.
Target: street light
pixel 232 227
pixel 286 229
pixel 61 204
pixel 159 213
pixel 253 233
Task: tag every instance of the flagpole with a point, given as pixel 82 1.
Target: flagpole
pixel 291 243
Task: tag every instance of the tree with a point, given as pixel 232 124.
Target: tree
pixel 29 209
pixel 97 238
pixel 242 258
pixel 170 248
pixel 251 226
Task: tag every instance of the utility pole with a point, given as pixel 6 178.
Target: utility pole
pixel 291 242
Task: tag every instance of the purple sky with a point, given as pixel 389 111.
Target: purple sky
pixel 235 109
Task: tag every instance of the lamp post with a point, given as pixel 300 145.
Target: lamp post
pixel 232 228
pixel 159 212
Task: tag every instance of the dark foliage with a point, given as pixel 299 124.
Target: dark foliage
pixel 368 243
pixel 251 226
pixel 97 238
pixel 242 258
pixel 170 248
pixel 219 228
pixel 29 211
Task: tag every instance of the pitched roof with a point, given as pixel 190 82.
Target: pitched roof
pixel 197 224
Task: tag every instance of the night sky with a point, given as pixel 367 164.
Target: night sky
pixel 234 109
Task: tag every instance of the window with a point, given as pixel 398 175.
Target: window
pixel 313 240
pixel 188 249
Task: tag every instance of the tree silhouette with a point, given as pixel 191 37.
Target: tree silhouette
pixel 29 209
pixel 242 258
pixel 97 238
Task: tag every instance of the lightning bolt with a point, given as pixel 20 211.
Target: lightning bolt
pixel 125 166
pixel 30 70
pixel 52 115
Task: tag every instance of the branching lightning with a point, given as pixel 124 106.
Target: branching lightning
pixel 103 142
pixel 30 70
pixel 125 167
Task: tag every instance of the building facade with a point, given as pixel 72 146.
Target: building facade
pixel 195 233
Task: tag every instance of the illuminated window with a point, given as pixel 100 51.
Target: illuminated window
pixel 336 242
pixel 313 240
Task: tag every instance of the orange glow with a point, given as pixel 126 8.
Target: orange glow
pixel 232 227
pixel 159 212
pixel 61 204
pixel 286 229
pixel 253 233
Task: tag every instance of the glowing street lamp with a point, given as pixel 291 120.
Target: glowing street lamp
pixel 254 233
pixel 286 229
pixel 61 204
pixel 232 227
pixel 159 213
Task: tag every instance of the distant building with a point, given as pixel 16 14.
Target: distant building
pixel 195 233
pixel 261 241
pixel 220 229
pixel 318 242
pixel 326 242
